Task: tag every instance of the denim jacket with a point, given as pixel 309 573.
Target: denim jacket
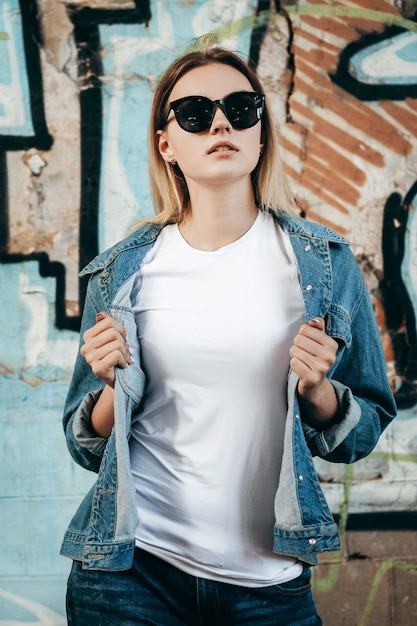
pixel 102 533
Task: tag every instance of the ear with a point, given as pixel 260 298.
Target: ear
pixel 164 145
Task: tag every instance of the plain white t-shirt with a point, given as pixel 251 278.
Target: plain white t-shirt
pixel 215 330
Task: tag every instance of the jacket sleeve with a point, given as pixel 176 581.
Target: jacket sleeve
pixel 359 377
pixel 85 446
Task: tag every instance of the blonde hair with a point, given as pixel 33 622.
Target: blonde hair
pixel 168 186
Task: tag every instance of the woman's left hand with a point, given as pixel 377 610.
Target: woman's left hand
pixel 312 355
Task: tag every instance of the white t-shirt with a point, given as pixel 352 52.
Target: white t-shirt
pixel 215 330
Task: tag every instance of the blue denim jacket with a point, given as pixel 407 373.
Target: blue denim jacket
pixel 102 532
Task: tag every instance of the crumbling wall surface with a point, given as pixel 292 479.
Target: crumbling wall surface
pixel 76 82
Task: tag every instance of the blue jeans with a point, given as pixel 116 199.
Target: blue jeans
pixel 154 593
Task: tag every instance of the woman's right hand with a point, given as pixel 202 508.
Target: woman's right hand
pixel 105 347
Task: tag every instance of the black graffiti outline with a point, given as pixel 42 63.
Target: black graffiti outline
pixel 400 316
pixel 41 140
pixel 87 38
pixel 363 91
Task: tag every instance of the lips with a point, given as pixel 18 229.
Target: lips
pixel 222 146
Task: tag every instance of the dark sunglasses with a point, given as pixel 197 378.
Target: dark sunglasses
pixel 195 114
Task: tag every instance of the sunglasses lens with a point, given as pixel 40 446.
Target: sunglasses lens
pixel 243 109
pixel 194 114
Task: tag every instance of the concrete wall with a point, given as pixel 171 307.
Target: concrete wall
pixel 76 81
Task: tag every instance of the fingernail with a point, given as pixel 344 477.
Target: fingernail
pixel 316 320
pixel 100 316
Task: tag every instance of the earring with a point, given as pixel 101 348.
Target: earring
pixel 173 162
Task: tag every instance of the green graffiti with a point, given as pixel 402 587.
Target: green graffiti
pixel 266 17
pixel 386 566
pixel 322 10
pixel 245 23
pixel 394 456
pixel 328 582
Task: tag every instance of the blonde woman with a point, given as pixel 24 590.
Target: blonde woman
pixel 225 343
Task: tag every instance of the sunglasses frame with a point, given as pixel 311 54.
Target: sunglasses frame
pixel 258 101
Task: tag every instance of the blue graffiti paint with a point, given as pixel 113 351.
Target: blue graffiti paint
pixel 409 51
pixel 392 61
pixel 15 114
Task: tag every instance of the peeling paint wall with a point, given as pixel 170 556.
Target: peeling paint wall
pixel 76 82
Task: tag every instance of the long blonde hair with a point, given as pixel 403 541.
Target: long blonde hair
pixel 168 186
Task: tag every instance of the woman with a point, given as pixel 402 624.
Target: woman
pixel 207 508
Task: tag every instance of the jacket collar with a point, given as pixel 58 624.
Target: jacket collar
pixel 147 234
pixel 143 236
pixel 298 226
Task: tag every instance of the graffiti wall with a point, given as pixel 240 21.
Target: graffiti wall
pixel 76 82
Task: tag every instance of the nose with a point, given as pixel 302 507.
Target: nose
pixel 220 121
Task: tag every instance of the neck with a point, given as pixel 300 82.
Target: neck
pixel 217 219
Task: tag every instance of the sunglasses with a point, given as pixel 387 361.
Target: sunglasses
pixel 195 114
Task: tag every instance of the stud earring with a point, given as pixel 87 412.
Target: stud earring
pixel 173 162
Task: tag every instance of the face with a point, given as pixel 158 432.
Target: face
pixel 221 154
